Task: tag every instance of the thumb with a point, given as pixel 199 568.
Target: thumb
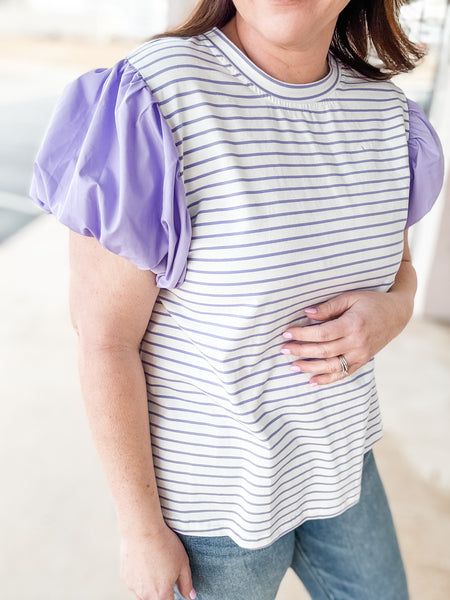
pixel 184 584
pixel 330 309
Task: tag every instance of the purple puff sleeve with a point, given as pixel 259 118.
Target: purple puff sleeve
pixel 426 162
pixel 108 168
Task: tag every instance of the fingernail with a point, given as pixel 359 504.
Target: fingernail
pixel 313 383
pixel 287 335
pixel 285 351
pixel 313 311
pixel 296 369
pixel 193 594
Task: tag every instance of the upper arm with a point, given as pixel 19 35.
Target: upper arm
pixel 111 300
pixel 406 250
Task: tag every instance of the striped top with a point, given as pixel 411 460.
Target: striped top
pixel 294 194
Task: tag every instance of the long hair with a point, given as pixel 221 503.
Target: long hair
pixel 364 28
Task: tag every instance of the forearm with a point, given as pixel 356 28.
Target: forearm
pixel 404 288
pixel 114 391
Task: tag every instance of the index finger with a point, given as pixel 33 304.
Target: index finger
pixel 329 331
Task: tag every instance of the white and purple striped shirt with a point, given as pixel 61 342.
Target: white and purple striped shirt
pixel 294 194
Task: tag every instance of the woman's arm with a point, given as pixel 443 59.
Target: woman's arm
pixel 354 324
pixel 111 303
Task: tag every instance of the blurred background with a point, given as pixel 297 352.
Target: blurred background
pixel 58 535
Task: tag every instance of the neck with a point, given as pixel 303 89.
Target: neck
pixel 290 64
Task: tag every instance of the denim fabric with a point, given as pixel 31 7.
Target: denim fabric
pixel 354 556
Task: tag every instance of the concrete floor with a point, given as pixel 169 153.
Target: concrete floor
pixel 57 523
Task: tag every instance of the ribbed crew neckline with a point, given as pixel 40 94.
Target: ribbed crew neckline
pixel 288 92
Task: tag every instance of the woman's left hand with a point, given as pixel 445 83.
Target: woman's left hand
pixel 355 325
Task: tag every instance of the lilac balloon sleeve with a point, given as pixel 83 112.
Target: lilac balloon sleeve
pixel 426 163
pixel 108 168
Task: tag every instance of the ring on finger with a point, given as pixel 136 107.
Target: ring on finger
pixel 344 364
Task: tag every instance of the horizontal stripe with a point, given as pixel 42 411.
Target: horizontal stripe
pixel 285 487
pixel 308 300
pixel 235 534
pixel 175 67
pixel 296 410
pixel 250 496
pixel 294 166
pixel 286 313
pixel 245 441
pixel 193 80
pixel 283 154
pixel 250 478
pixel 160 46
pixel 281 131
pixel 192 522
pixel 298 263
pixel 303 176
pixel 251 95
pixel 289 276
pixel 356 284
pixel 273 141
pixel 305 202
pixel 305 110
pixel 297 132
pixel 299 389
pixel 353 240
pixel 236 118
pixel 247 470
pixel 297 415
pixel 319 448
pixel 236 508
pixel 246 232
pixel 200 55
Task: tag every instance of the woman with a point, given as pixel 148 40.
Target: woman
pixel 251 191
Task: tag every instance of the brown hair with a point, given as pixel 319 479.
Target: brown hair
pixel 363 26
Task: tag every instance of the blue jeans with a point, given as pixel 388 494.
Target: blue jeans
pixel 354 556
